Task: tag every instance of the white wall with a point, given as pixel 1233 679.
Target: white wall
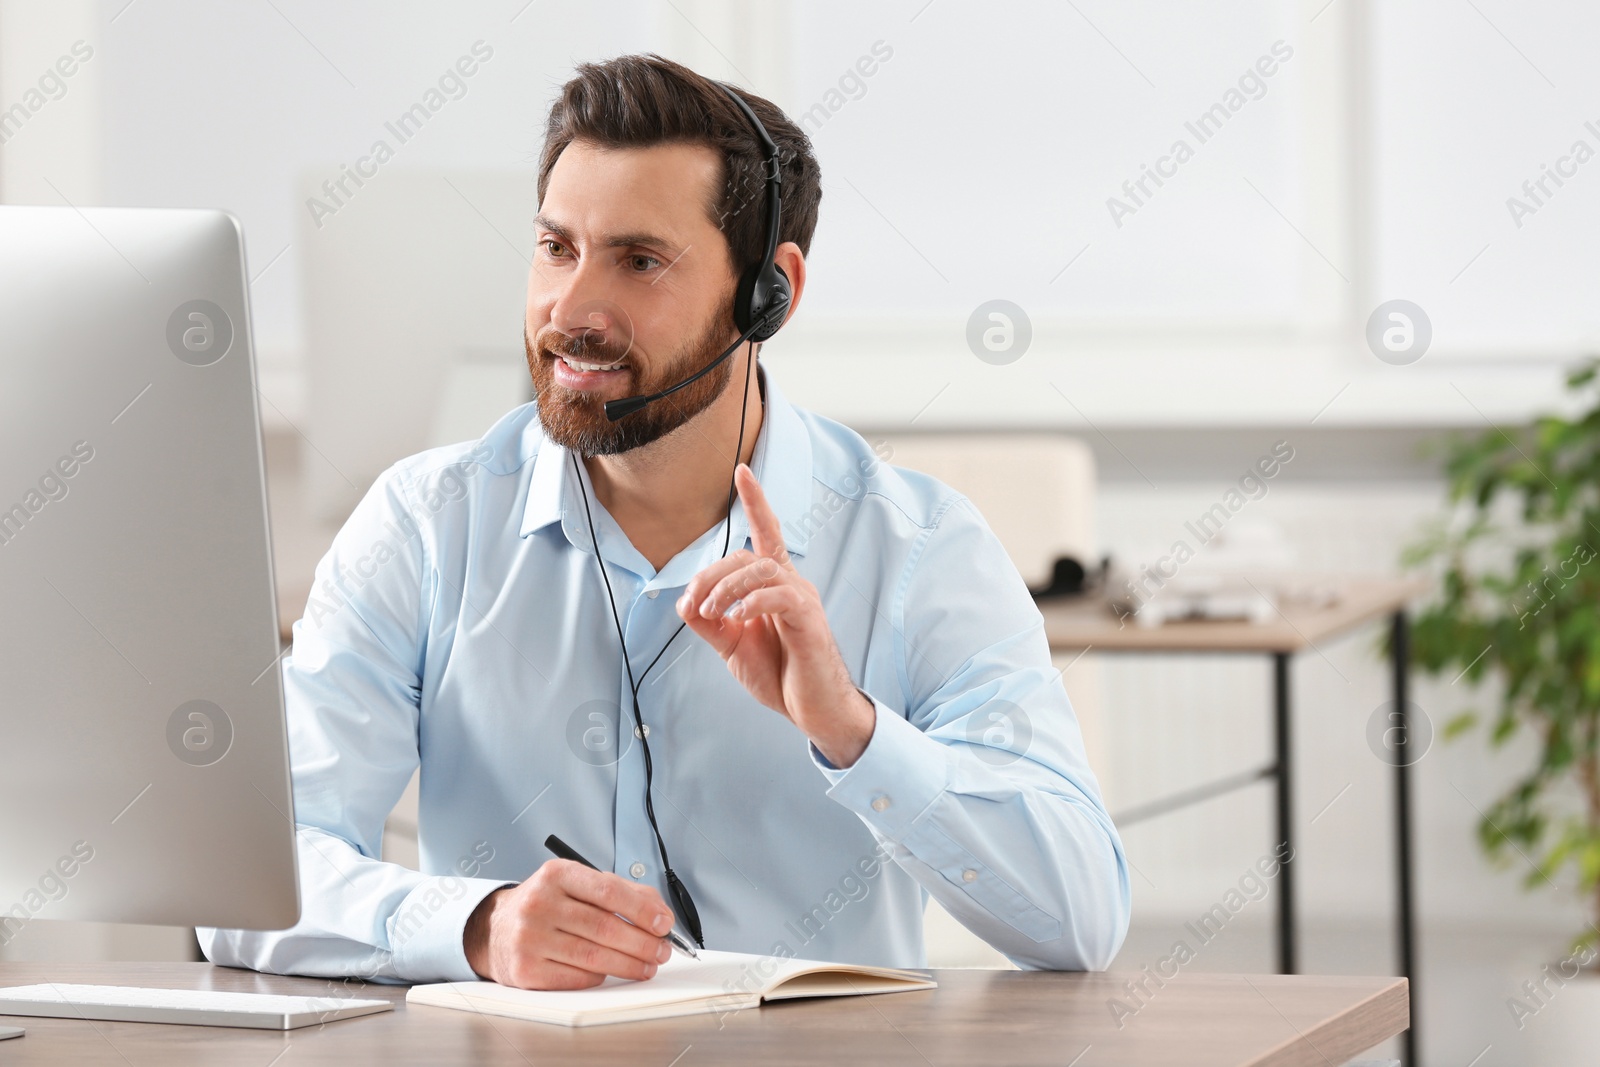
pixel 1234 296
pixel 54 149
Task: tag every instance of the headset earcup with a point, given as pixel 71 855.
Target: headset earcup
pixel 762 294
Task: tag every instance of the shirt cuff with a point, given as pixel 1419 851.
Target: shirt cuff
pixel 425 932
pixel 900 774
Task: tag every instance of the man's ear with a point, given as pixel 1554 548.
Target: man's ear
pixel 792 262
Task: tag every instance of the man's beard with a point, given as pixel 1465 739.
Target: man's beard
pixel 577 420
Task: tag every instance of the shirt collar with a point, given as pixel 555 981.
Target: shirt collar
pixel 781 462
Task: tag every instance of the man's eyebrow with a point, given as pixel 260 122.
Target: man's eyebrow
pixel 642 240
pixel 620 240
pixel 545 222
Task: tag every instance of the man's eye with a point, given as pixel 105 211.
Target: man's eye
pixel 644 263
pixel 554 248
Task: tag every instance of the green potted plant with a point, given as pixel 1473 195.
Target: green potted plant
pixel 1517 558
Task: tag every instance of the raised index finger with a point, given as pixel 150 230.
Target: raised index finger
pixel 766 533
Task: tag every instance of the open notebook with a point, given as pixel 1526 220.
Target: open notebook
pixel 715 983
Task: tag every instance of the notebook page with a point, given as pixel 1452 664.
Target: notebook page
pixel 833 983
pixel 717 981
pixel 715 975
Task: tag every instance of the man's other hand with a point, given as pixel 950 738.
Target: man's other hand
pixel 559 930
pixel 769 626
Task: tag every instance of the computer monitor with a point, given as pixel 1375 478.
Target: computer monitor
pixel 144 769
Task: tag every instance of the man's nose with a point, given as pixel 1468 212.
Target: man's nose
pixel 586 310
pixel 596 320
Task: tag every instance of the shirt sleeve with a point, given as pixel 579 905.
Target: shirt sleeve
pixel 975 781
pixel 352 688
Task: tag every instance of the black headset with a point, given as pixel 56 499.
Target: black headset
pixel 761 302
pixel 760 306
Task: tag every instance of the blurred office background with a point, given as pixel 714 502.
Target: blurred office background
pixel 970 153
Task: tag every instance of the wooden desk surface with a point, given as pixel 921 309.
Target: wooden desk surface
pixel 1085 623
pixel 1012 1017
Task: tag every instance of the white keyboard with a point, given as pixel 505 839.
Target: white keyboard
pixel 195 1007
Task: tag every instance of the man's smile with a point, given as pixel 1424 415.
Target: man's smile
pixel 585 375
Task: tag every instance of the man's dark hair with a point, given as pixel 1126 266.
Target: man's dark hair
pixel 639 101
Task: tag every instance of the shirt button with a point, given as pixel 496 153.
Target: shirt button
pixel 645 733
pixel 880 804
pixel 969 875
pixel 653 593
pixel 637 870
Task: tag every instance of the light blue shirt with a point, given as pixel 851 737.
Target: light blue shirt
pixel 459 620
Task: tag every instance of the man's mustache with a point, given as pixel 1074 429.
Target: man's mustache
pixel 589 346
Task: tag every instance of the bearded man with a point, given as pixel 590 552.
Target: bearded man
pixel 778 691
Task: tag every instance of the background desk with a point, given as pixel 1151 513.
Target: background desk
pixel 1012 1017
pixel 1085 624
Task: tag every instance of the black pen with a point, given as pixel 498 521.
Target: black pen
pixel 567 852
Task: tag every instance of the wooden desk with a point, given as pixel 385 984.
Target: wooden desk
pixel 1088 623
pixel 1011 1017
pixel 1083 622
